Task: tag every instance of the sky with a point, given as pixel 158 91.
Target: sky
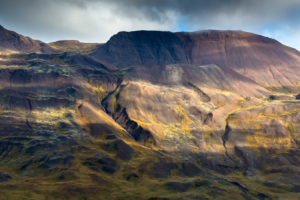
pixel 98 20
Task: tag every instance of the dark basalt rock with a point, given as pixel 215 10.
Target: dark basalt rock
pixel 272 97
pixel 132 177
pixel 111 137
pixel 26 165
pixel 239 186
pixel 291 170
pixel 199 183
pixel 295 188
pixel 281 97
pixel 178 186
pixel 38 146
pixel 162 169
pixel 189 169
pixel 21 102
pixel 98 179
pixel 66 175
pixel 74 189
pixel 270 184
pixel 138 133
pixel 102 162
pixel 45 145
pixel 20 76
pixel 99 129
pixel 4 177
pixel 124 151
pixel 64 126
pixel 262 196
pixel 7 147
pixel 58 159
pixel 216 192
pixel 108 165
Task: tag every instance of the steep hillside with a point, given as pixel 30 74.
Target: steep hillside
pixel 12 41
pixel 262 59
pixel 142 48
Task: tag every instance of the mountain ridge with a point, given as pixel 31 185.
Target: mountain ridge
pixel 241 51
pixel 12 41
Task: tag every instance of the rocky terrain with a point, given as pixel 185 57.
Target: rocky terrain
pixel 150 115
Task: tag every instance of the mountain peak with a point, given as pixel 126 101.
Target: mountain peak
pixel 242 51
pixel 12 41
pixel 142 48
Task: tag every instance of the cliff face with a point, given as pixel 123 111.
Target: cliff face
pixel 142 48
pixel 12 41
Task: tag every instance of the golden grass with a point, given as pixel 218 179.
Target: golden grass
pixel 83 48
pixel 186 121
pixel 97 91
pixel 51 116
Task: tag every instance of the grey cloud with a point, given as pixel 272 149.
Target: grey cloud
pixel 199 12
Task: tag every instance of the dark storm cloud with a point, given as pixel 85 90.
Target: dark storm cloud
pixel 97 20
pixel 248 12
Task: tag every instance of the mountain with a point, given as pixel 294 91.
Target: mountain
pixel 262 59
pixel 142 48
pixel 12 41
pixel 150 115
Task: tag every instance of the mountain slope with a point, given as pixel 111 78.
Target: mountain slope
pixel 211 76
pixel 73 46
pixel 142 48
pixel 12 41
pixel 262 59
